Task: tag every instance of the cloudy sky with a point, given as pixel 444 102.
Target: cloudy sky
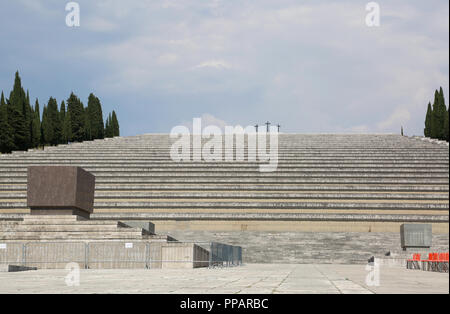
pixel 309 65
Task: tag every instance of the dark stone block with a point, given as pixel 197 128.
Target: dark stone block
pixel 415 236
pixel 60 190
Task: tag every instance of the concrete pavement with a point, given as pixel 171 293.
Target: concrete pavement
pixel 251 278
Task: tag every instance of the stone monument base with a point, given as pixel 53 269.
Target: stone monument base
pixel 59 212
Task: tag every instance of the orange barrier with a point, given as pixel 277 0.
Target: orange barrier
pixel 432 257
pixel 436 262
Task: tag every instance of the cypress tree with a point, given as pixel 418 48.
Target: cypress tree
pixel 77 119
pixel 108 129
pixel 67 129
pixel 36 125
pixel 428 122
pixel 62 121
pixel 443 114
pixel 95 117
pixel 47 128
pixel 28 114
pixel 115 124
pixel 439 109
pixel 446 131
pixel 98 120
pixel 88 117
pixel 51 123
pixel 6 131
pixel 87 125
pixel 435 119
pixel 67 135
pixel 62 111
pixel 54 117
pixel 17 117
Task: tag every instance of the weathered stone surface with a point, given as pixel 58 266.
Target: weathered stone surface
pixel 308 247
pixel 252 278
pixel 56 190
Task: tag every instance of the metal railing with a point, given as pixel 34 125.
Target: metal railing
pixel 112 254
pixel 224 255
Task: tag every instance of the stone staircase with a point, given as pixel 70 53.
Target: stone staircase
pixel 70 228
pixel 323 183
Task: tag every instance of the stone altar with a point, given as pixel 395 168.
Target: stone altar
pixel 60 190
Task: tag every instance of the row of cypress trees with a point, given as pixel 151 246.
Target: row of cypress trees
pixel 21 126
pixel 436 120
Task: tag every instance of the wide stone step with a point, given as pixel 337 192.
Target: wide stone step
pixel 351 217
pixel 281 156
pixel 257 180
pixel 188 167
pixel 273 217
pixel 99 196
pixel 426 153
pixel 254 174
pixel 220 204
pixel 68 236
pixel 58 218
pixel 77 159
pixel 132 187
pixel 66 228
pixel 273 205
pixel 6 171
pixel 61 222
pixel 281 163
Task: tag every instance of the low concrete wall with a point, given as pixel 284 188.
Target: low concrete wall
pixel 104 255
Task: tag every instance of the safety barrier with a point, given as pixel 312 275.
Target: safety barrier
pixel 436 262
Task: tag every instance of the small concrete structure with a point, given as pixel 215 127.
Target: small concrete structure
pixel 183 255
pixel 148 226
pixel 416 236
pixel 60 190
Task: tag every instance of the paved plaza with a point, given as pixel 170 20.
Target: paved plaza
pixel 251 278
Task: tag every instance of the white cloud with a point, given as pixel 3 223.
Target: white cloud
pixel 216 64
pixel 98 24
pixel 397 119
pixel 39 7
pixel 359 129
pixel 167 59
pixel 207 120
